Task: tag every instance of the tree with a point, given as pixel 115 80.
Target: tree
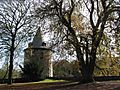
pixel 64 68
pixel 15 26
pixel 61 68
pixel 32 71
pixel 108 51
pixel 107 62
pixel 59 13
pixel 75 71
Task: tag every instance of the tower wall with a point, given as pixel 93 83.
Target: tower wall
pixel 41 56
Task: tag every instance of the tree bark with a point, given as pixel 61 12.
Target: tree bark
pixel 12 49
pixel 86 66
pixel 87 74
pixel 10 67
pixel 87 70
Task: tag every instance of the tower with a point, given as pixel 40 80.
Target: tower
pixel 38 51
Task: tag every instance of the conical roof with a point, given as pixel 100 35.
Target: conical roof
pixel 37 40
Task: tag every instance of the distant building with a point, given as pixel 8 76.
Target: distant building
pixel 37 50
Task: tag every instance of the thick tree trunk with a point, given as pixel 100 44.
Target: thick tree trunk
pixel 87 66
pixel 87 75
pixel 88 69
pixel 87 72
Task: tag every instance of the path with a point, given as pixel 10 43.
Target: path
pixel 108 85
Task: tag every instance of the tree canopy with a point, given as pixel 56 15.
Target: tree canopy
pixel 97 19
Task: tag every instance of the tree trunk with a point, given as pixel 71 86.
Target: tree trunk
pixel 87 74
pixel 12 49
pixel 86 67
pixel 10 67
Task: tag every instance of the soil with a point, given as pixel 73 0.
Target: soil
pixel 106 85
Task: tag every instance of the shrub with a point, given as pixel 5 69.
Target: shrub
pixel 32 71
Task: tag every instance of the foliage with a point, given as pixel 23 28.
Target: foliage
pixel 61 68
pixel 3 75
pixel 32 71
pixel 64 68
pixel 108 62
pixel 75 68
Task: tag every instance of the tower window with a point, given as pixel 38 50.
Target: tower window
pixel 43 44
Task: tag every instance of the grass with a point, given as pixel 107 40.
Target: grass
pixel 43 81
pixel 40 82
pixel 32 85
pixel 51 80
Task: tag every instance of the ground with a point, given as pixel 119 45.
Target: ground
pixel 106 85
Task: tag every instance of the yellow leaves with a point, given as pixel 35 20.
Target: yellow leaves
pixel 108 63
pixel 77 22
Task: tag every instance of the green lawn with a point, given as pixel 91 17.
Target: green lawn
pixel 49 81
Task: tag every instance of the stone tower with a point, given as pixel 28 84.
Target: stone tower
pixel 37 50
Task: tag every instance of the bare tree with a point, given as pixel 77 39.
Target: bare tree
pixel 16 24
pixel 60 12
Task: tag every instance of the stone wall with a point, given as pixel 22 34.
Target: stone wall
pixel 40 55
